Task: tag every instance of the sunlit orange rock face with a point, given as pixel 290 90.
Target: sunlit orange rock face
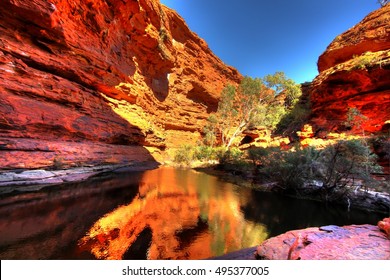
pixel 108 72
pixel 385 226
pixel 354 73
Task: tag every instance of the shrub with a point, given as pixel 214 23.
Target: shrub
pixel 229 156
pixel 58 163
pixel 163 34
pixel 381 145
pixel 294 119
pixel 184 155
pixel 254 102
pixel 258 155
pixel 290 169
pixel 233 160
pixel 365 60
pixel 205 153
pixel 337 167
pixel 343 164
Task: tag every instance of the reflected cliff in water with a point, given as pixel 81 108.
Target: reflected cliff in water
pixel 165 213
pixel 177 214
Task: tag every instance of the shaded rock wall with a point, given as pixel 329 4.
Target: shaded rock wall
pixel 107 72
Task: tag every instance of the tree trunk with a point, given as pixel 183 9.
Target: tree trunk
pixel 239 129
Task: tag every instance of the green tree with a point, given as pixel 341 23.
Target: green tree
pixel 355 120
pixel 342 164
pixel 237 109
pixel 283 85
pixel 254 102
pixel 251 97
pixel 286 96
pixel 221 123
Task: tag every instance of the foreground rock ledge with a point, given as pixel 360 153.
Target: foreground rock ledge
pixel 355 242
pixel 32 180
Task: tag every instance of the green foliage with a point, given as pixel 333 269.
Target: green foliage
pixel 205 153
pixel 234 161
pixel 269 115
pixel 294 119
pixel 163 33
pixel 184 155
pixel 227 113
pixel 251 91
pixel 294 169
pixel 210 131
pixel 226 103
pixel 344 163
pixel 263 157
pixel 232 155
pixel 381 144
pixel 236 110
pixel 337 168
pixel 255 102
pixel 281 84
pixel 355 120
pixel 289 169
pixel 365 60
pixel 258 154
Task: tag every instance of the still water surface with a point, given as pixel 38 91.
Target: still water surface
pixel 165 213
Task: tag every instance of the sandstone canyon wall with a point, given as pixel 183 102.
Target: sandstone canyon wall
pixel 355 73
pixel 89 82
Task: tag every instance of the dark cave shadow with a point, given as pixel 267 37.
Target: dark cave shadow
pixel 160 87
pixel 138 250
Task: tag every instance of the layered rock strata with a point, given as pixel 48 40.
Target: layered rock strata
pixel 106 73
pixel 354 73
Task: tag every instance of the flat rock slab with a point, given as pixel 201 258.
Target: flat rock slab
pixel 244 254
pixel 32 179
pixel 355 242
pixel 33 175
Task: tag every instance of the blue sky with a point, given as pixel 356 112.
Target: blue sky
pixel 260 37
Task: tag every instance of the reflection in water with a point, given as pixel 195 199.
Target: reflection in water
pixel 46 224
pixel 165 213
pixel 190 216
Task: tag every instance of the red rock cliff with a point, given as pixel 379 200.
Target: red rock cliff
pixel 106 73
pixel 354 73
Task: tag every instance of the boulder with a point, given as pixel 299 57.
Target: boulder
pixel 354 242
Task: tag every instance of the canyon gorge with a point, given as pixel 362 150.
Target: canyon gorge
pixel 93 82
